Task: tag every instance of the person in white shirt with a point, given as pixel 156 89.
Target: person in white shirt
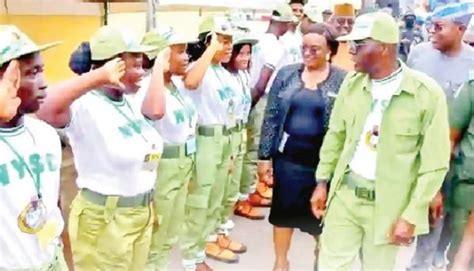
pixel 178 129
pixel 239 188
pixel 29 165
pixel 209 85
pixel 116 153
pixel 31 154
pixel 267 57
pixel 293 38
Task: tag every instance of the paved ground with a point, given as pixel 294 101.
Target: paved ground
pixel 257 235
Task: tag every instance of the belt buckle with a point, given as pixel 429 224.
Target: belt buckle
pixel 364 193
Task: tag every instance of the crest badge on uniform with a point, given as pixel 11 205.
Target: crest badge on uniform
pixel 33 217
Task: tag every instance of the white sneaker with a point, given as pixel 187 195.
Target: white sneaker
pixel 440 261
pixel 229 225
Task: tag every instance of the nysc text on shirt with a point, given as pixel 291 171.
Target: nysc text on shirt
pixel 110 140
pixel 39 148
pixel 180 119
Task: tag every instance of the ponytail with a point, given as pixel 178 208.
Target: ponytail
pixel 80 60
pixel 196 50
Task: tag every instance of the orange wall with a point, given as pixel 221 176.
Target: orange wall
pixel 71 30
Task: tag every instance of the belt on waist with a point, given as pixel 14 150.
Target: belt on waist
pixel 213 130
pixel 354 182
pixel 466 181
pixel 239 126
pixel 141 200
pixel 174 151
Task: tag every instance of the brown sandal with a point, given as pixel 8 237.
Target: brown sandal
pixel 245 209
pixel 258 201
pixel 216 252
pixel 226 243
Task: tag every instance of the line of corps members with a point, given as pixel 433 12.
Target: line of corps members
pixel 159 147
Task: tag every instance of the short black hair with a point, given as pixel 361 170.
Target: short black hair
pixel 329 32
pixel 302 2
pixel 196 50
pixel 81 61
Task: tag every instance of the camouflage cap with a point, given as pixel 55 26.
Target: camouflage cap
pixel 15 44
pixel 285 14
pixel 245 38
pixel 162 38
pixel 110 41
pixel 215 24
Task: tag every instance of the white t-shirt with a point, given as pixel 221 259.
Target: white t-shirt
pixel 292 41
pixel 110 141
pixel 214 99
pixel 39 147
pixel 270 52
pixel 180 119
pixel 364 161
pixel 243 96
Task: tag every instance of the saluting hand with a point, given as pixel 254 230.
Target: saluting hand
pixel 215 44
pixel 9 85
pixel 114 70
pixel 318 200
pixel 402 233
pixel 162 62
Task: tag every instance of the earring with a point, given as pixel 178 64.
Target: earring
pixel 328 57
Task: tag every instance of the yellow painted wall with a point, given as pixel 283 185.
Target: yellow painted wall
pixel 71 30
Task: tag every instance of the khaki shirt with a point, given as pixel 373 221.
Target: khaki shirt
pixel 461 117
pixel 413 150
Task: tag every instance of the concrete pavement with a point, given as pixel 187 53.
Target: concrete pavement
pixel 257 235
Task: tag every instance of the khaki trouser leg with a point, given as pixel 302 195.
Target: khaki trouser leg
pixel 169 200
pixel 109 237
pixel 215 207
pixel 348 230
pixel 254 127
pixel 208 158
pixel 232 191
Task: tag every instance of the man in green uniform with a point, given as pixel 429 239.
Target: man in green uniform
pixel 386 153
pixel 461 116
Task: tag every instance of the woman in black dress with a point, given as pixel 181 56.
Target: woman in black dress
pixel 295 122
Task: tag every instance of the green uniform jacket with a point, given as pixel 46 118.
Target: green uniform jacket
pixel 413 150
pixel 462 118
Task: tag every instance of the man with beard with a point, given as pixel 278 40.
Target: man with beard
pixel 448 60
pixel 342 20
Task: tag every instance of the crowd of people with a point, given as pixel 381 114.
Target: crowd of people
pixel 350 127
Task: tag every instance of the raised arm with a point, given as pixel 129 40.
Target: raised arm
pixel 154 106
pixel 9 84
pixel 194 76
pixel 56 108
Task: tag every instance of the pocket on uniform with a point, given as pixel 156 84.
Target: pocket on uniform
pixel 407 135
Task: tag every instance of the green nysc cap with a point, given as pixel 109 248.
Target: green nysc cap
pixel 110 41
pixel 163 38
pixel 378 26
pixel 15 44
pixel 285 14
pixel 215 24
